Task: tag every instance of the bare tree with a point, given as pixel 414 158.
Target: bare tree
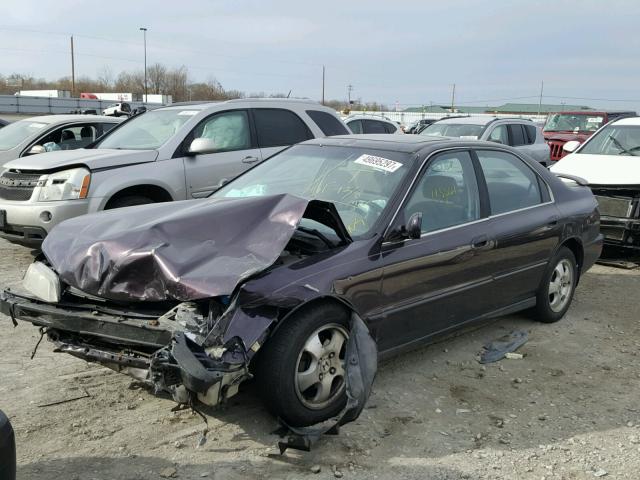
pixel 157 78
pixel 105 78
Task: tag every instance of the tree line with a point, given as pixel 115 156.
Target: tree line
pixel 161 79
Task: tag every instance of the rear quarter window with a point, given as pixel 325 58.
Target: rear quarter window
pixel 277 127
pixel 329 124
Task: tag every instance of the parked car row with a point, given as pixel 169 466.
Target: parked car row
pixel 179 152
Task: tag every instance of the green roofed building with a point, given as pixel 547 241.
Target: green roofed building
pixel 512 108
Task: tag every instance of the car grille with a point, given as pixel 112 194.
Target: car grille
pixel 17 186
pixel 614 207
pixel 556 151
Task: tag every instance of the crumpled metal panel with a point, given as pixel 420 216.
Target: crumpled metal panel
pixel 173 251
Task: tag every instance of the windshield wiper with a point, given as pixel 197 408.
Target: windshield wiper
pixel 622 148
pixel 317 234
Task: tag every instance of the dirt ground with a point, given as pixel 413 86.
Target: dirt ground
pixel 569 409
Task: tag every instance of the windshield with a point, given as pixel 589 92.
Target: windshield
pixel 358 181
pixel 147 131
pixel 458 130
pixel 614 140
pixel 14 133
pixel 573 122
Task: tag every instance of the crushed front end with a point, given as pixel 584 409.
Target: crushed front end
pixel 619 215
pixel 168 348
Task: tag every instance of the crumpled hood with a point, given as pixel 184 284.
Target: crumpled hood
pixel 601 169
pixel 181 251
pixel 92 158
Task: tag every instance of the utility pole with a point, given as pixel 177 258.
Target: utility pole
pixel 349 90
pixel 540 102
pixel 322 84
pixel 144 32
pixel 453 97
pixel 73 71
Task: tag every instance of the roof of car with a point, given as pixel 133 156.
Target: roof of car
pixel 397 143
pixel 368 117
pixel 202 105
pixel 479 120
pixel 635 121
pixel 51 119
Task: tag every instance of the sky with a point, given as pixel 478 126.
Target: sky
pixel 408 53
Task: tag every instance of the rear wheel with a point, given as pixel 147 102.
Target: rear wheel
pixel 301 369
pixel 557 288
pixel 129 201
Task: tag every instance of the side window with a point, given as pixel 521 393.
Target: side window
pixel 499 135
pixel 389 128
pixel 530 130
pixel 277 127
pixel 517 135
pixel 373 126
pixel 355 126
pixel 70 137
pixel 329 124
pixel 511 183
pixel 447 194
pixel 228 130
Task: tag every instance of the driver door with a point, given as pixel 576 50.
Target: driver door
pixel 235 152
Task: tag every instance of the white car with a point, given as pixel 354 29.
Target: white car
pixel 609 161
pixel 117 110
pixel 372 124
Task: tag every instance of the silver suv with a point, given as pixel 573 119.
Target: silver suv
pixel 519 133
pixel 179 152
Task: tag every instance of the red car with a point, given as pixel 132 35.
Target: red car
pixel 562 127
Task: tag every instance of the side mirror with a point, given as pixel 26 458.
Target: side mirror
pixel 201 145
pixel 571 146
pixel 413 229
pixel 36 149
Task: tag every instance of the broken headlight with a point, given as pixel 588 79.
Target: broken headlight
pixel 66 185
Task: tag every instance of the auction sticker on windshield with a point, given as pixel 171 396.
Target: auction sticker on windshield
pixel 189 113
pixel 378 162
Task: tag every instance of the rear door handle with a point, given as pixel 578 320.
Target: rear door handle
pixel 553 220
pixel 250 159
pixel 480 242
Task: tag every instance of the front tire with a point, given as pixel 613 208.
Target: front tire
pixel 300 370
pixel 557 288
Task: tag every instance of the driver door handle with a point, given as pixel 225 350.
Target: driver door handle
pixel 250 159
pixel 481 242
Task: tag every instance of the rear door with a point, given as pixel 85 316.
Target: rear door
pixel 236 151
pixel 440 280
pixel 524 222
pixel 278 128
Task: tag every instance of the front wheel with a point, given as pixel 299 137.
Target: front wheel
pixel 557 288
pixel 301 369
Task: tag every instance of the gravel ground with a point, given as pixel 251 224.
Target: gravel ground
pixel 568 410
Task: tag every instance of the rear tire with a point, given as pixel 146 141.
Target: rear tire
pixel 300 371
pixel 128 201
pixel 557 288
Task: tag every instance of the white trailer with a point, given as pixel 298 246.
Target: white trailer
pixel 44 93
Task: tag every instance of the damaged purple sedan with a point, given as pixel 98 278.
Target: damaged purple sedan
pixel 306 268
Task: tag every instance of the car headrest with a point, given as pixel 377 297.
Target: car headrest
pixel 439 187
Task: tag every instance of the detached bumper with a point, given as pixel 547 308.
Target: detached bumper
pixel 145 347
pixel 114 328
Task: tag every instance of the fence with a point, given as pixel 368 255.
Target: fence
pixel 46 105
pixel 406 118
